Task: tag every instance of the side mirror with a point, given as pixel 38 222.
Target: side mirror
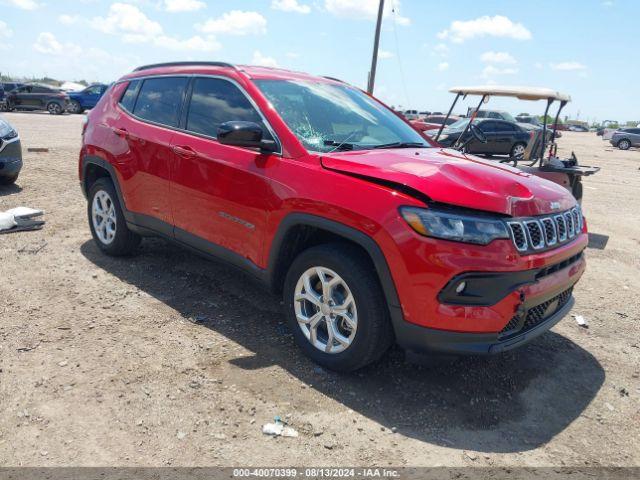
pixel 245 134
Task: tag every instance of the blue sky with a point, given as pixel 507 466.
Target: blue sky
pixel 587 48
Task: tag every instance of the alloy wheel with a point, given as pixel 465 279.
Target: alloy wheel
pixel 326 310
pixel 518 151
pixel 54 108
pixel 103 216
pixel 624 144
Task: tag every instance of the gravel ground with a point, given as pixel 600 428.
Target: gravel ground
pixel 163 359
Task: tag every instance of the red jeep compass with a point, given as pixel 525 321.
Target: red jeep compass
pixel 372 234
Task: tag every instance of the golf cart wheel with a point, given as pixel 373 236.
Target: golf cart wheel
pixel 8 180
pixel 335 307
pixel 55 108
pixel 75 107
pixel 106 220
pixel 517 151
pixel 624 144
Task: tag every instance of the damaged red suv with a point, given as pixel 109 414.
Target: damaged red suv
pixel 371 233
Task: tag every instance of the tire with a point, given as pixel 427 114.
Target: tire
pixel 54 108
pixel 109 228
pixel 624 144
pixel 75 107
pixel 8 180
pixel 517 151
pixel 368 312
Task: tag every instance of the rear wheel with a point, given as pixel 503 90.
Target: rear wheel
pixel 10 180
pixel 335 307
pixel 517 151
pixel 624 144
pixel 75 107
pixel 55 108
pixel 106 220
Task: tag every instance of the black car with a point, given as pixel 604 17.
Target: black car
pixel 34 96
pixel 10 153
pixel 503 138
pixel 6 87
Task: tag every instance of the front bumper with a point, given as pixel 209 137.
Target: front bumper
pixel 10 157
pixel 415 338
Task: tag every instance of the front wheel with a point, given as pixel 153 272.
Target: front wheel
pixel 624 144
pixel 517 151
pixel 335 307
pixel 75 107
pixel 106 220
pixel 10 180
pixel 55 108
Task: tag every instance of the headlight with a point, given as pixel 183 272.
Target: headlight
pixel 452 226
pixel 5 129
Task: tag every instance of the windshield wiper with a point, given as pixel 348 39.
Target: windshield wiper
pixel 401 145
pixel 339 145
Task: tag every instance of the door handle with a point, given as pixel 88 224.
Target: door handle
pixel 184 151
pixel 121 132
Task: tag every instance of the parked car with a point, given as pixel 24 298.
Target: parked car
pixel 496 114
pixel 432 123
pixel 411 114
pixel 87 98
pixel 10 153
pixel 626 138
pixel 578 128
pixel 503 138
pixel 371 233
pixel 6 87
pixel 34 96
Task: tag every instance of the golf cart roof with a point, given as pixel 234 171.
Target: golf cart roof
pixel 523 93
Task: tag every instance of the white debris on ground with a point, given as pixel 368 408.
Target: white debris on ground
pixel 580 320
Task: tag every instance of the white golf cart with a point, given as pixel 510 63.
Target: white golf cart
pixel 540 156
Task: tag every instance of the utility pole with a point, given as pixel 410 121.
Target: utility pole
pixel 376 42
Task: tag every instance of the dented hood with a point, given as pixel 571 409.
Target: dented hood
pixel 450 177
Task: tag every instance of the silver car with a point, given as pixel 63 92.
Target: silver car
pixel 626 138
pixel 10 153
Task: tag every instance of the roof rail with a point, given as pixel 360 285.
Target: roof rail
pixel 333 78
pixel 184 64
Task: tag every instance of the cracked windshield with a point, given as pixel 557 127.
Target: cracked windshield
pixel 327 117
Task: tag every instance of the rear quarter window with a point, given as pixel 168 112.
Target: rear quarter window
pixel 128 99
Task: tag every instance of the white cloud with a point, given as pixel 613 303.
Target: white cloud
pixel 235 22
pixel 128 21
pixel 497 26
pixel 290 6
pixel 183 5
pixel 67 19
pixel 5 31
pixel 498 57
pixel 384 54
pixel 491 71
pixel 47 43
pixel 441 49
pixel 568 66
pixel 263 60
pixel 193 44
pixel 24 4
pixel 442 66
pixel 367 9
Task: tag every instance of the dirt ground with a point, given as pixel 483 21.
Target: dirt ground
pixel 165 359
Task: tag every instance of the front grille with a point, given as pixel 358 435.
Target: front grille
pixel 542 233
pixel 535 315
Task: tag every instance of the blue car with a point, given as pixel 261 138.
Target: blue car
pixel 87 98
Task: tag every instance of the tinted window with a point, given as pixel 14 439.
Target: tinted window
pixel 488 126
pixel 37 89
pixel 215 101
pixel 128 100
pixel 95 90
pixel 504 127
pixel 160 99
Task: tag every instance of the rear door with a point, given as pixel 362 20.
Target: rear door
pixel 220 194
pixel 143 130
